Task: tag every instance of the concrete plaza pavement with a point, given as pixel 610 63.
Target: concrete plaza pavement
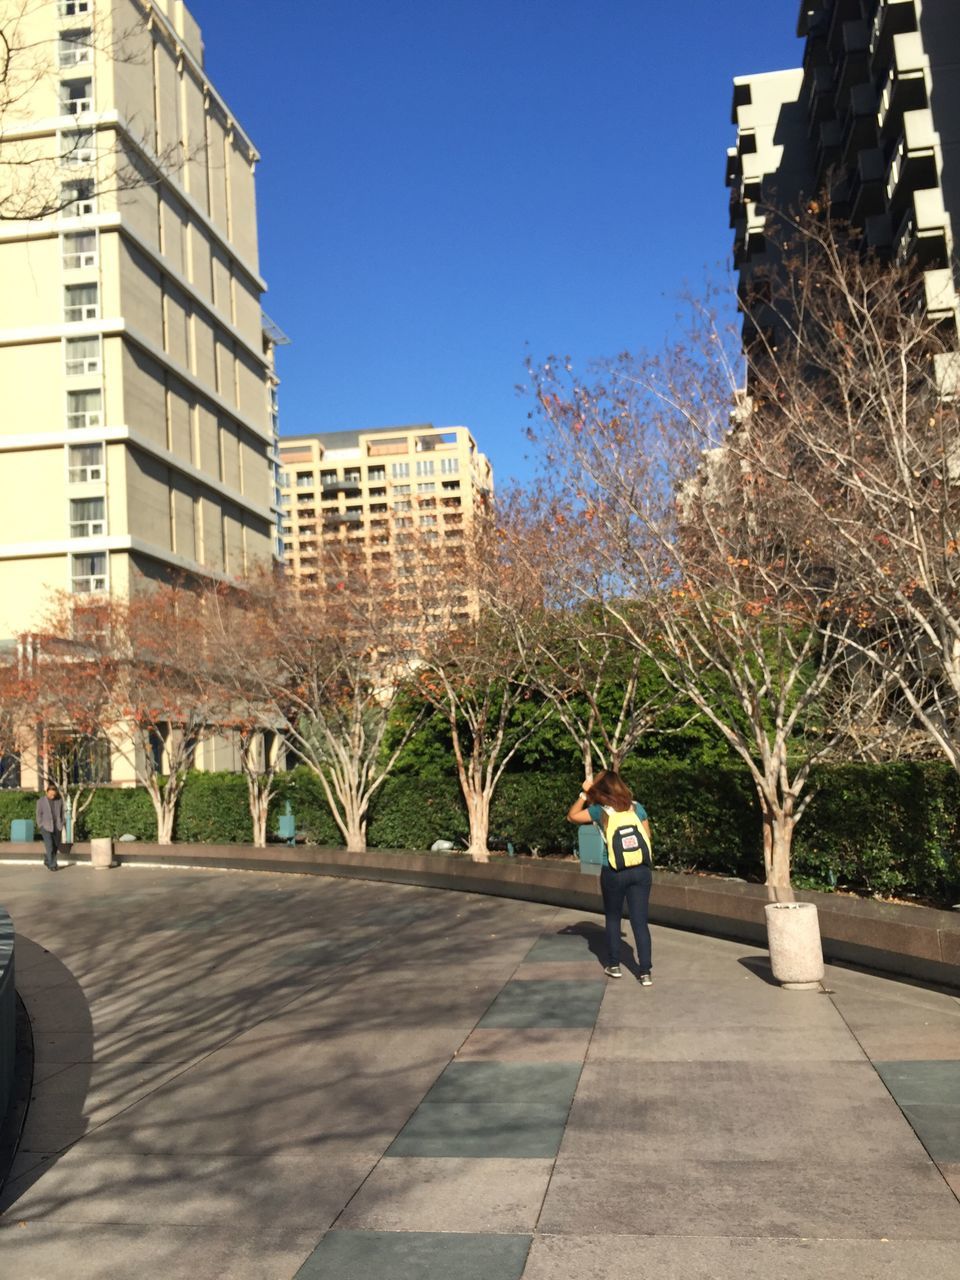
pixel 261 1077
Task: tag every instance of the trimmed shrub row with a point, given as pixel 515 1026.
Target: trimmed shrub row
pixel 891 829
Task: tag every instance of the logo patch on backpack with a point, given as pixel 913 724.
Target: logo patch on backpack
pixel 627 846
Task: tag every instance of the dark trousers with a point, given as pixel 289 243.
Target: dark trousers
pixel 633 885
pixel 51 846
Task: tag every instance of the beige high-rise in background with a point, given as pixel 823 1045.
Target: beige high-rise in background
pixel 137 388
pixel 385 493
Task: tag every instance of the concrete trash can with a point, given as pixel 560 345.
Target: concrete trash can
pixel 793 937
pixel 101 853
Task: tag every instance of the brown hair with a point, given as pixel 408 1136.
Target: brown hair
pixel 608 788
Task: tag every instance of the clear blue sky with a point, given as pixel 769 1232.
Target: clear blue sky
pixel 448 184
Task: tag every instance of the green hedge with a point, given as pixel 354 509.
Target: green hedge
pixel 888 829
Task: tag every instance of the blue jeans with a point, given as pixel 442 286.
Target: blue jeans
pixel 51 846
pixel 633 885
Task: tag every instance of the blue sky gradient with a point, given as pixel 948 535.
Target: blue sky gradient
pixel 447 185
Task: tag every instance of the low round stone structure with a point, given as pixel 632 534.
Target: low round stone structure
pixel 793 939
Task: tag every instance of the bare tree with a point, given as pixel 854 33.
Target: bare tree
pixel 604 690
pixel 325 664
pixel 137 673
pixel 854 363
pixel 735 610
pixel 471 670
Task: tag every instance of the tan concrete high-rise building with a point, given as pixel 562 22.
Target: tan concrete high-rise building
pixel 386 493
pixel 137 405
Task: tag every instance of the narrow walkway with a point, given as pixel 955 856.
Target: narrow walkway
pixel 262 1076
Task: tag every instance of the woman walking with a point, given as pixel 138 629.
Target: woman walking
pixel 607 801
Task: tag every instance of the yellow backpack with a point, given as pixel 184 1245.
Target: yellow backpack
pixel 627 846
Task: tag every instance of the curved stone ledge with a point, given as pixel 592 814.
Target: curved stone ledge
pixel 915 942
pixel 8 1013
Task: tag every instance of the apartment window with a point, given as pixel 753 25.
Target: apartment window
pixel 378 506
pixel 328 477
pixel 84 409
pixel 87 518
pixel 427 520
pixel 399 469
pixel 403 521
pixel 451 486
pixel 425 466
pixel 85 463
pixel 401 488
pixel 74 8
pixel 429 487
pixel 75 48
pixel 449 466
pixel 79 250
pixel 375 474
pixel 89 573
pixel 76 96
pixel 304 479
pixel 76 148
pixel 352 474
pixel 403 505
pixel 77 198
pixel 82 357
pixel 80 302
pixel 378 492
pixel 428 502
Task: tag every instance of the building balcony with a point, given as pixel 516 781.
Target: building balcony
pixel 914 164
pixel 867 186
pixel 819 93
pixel 893 18
pixel 905 86
pixel 345 519
pixel 333 487
pixel 940 294
pixel 854 65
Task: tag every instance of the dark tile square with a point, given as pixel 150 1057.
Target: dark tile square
pixel 561 947
pixel 508 1130
pixel 545 1004
pixel 931 1082
pixel 938 1128
pixel 415 1255
pixel 507 1082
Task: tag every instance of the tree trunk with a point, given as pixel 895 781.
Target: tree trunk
pixel 259 806
pixel 356 833
pixel 777 842
pixel 478 811
pixel 166 811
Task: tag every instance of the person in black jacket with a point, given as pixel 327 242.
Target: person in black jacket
pixel 50 822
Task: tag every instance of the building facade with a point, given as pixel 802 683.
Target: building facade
pixel 871 120
pixel 384 495
pixel 137 385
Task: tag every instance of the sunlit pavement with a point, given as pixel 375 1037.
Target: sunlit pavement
pixel 242 1075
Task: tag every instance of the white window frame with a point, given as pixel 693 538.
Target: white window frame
pixel 399 470
pixel 88 310
pixel 94 528
pixel 85 257
pixel 79 206
pixel 85 418
pixel 449 466
pixel 86 472
pixel 71 53
pixel 82 366
pixel 92 581
pixel 78 154
pixel 425 466
pixel 76 106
